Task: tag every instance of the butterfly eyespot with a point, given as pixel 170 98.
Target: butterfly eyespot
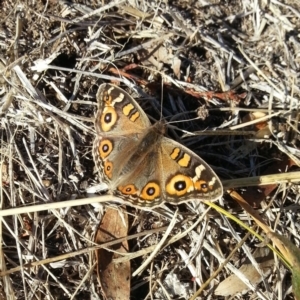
pixel 202 186
pixel 129 189
pixel 105 148
pixel 108 169
pixel 108 118
pixel 150 191
pixel 179 185
pixel 105 96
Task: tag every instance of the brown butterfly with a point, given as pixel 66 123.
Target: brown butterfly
pixel 138 163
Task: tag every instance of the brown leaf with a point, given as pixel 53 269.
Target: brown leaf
pixel 233 285
pixel 114 278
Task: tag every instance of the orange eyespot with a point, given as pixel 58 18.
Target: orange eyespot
pixel 107 98
pixel 108 119
pixel 108 169
pixel 179 185
pixel 202 186
pixel 128 189
pixel 105 148
pixel 150 191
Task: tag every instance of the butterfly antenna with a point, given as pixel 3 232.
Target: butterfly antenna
pixel 162 99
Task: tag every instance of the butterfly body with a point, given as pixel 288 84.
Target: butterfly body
pixel 138 163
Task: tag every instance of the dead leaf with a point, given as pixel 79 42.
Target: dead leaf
pixel 233 285
pixel 114 278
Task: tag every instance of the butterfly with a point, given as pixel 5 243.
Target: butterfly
pixel 138 163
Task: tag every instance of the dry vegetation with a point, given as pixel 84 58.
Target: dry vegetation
pixel 226 70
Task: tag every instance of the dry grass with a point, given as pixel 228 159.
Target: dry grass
pixel 228 67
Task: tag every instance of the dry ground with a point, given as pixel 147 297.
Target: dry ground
pixel 227 71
